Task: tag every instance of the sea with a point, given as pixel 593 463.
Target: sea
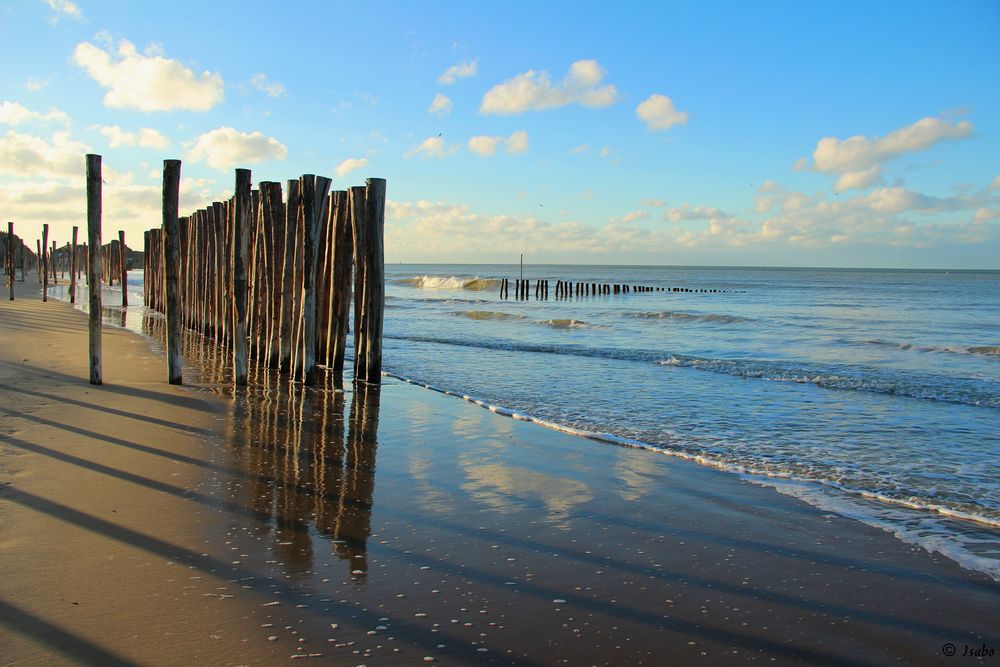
pixel 870 394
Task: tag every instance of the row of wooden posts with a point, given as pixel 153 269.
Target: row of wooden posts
pixel 53 262
pixel 565 289
pixel 270 278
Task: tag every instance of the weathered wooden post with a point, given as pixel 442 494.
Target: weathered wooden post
pixel 356 202
pixel 171 260
pixel 45 262
pixel 287 273
pixel 73 267
pixel 94 264
pixel 241 239
pixel 10 258
pixel 122 255
pixel 342 274
pixel 368 358
pixel 314 190
pixel 52 264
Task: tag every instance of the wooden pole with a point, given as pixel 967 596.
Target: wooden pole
pixel 368 361
pixel 314 190
pixel 358 208
pixel 122 256
pixel 52 264
pixel 73 268
pixel 343 254
pixel 45 262
pixel 10 258
pixel 287 272
pixel 171 260
pixel 94 264
pixel 241 231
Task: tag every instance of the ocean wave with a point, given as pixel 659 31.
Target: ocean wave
pixel 486 315
pixel 569 324
pixel 900 383
pixel 920 523
pixel 451 282
pixel 985 350
pixel 912 384
pixel 692 317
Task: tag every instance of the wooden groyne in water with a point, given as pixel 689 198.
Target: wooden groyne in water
pixel 567 289
pixel 269 275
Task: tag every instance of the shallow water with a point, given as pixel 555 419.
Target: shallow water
pixel 875 394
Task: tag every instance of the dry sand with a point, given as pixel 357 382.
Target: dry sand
pixel 142 523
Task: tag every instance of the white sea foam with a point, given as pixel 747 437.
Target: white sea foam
pixel 923 520
pixel 451 282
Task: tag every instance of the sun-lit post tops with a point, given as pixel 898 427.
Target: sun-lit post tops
pixel 94 263
pixel 171 258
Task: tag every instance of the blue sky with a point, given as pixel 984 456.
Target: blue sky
pixel 839 134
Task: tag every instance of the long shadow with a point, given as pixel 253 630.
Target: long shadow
pixel 191 403
pixel 52 636
pixel 218 568
pixel 110 439
pixel 112 411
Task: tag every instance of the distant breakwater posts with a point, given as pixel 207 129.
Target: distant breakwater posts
pixel 52 262
pixel 566 289
pixel 269 275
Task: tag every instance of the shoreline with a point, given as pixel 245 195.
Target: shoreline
pixel 447 522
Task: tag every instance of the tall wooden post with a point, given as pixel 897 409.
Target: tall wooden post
pixel 45 262
pixel 52 264
pixel 73 267
pixel 94 263
pixel 314 189
pixel 241 239
pixel 356 204
pixel 375 277
pixel 10 258
pixel 122 255
pixel 171 258
pixel 287 282
pixel 343 254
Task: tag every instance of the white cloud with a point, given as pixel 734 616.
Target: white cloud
pixel 264 85
pixel 12 113
pixel 635 215
pixel 688 212
pixel 659 113
pixel 147 82
pixel 350 164
pixel 582 148
pixel 606 151
pixel 26 155
pixel 996 183
pixel 654 202
pixel 440 106
pixel 432 147
pixel 35 84
pixel 486 146
pixel 534 91
pixel 145 137
pixel 224 148
pixel 64 8
pixel 517 143
pixel 858 160
pixel 858 180
pixel 459 71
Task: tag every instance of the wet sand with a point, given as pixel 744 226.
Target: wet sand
pixel 147 524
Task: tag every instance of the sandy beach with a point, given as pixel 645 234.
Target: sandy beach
pixel 142 523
